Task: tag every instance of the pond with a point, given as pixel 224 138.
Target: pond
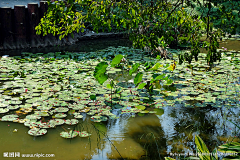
pixel 57 85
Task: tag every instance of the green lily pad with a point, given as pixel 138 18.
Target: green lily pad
pixel 70 134
pixel 13 107
pixel 61 109
pixel 60 115
pixel 41 113
pixel 98 118
pixel 84 134
pixel 37 132
pixel 46 125
pixel 9 117
pixel 140 107
pixel 56 121
pixel 71 121
pixel 4 110
pixel 33 116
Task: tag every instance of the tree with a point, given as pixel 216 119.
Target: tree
pixel 151 23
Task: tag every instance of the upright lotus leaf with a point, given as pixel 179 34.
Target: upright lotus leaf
pixel 37 132
pixel 140 86
pixel 156 66
pixel 84 134
pixel 110 86
pixel 202 149
pixel 70 134
pixel 138 78
pixel 116 60
pixel 158 77
pixel 71 121
pixel 134 68
pixel 100 72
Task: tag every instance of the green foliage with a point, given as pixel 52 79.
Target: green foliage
pixel 101 76
pixel 100 72
pixel 116 60
pixel 138 78
pixel 134 68
pixel 152 23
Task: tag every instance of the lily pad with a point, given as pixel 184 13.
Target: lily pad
pixel 98 118
pixel 9 117
pixel 70 134
pixel 33 116
pixel 71 121
pixel 84 134
pixel 46 125
pixel 60 115
pixel 37 132
pixel 4 110
pixel 56 121
pixel 61 109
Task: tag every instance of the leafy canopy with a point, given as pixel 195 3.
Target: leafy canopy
pixel 151 23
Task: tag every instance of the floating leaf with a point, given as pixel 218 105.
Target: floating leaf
pixel 84 134
pixel 37 132
pixel 140 107
pixel 71 121
pixel 70 134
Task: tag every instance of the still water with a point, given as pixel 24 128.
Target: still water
pixel 152 136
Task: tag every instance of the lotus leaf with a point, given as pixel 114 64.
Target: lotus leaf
pixel 84 134
pixel 98 118
pixel 44 107
pixel 71 121
pixel 61 109
pixel 47 125
pixel 60 115
pixel 77 107
pixel 41 113
pixel 9 117
pixel 31 123
pixel 77 115
pixel 13 107
pixel 3 105
pixel 33 116
pixel 4 110
pixel 70 134
pixel 37 132
pixel 56 121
